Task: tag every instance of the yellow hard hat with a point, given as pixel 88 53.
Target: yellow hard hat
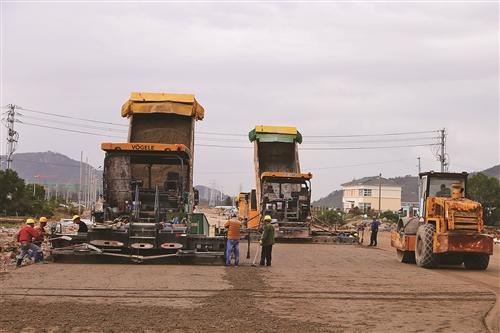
pixel 267 218
pixel 43 219
pixel 30 221
pixel 75 217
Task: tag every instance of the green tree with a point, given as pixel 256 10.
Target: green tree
pixel 486 190
pixel 331 217
pixel 12 194
pixel 17 198
pixel 390 215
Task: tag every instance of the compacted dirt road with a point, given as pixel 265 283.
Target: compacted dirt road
pixel 309 288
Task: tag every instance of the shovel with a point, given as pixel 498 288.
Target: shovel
pixel 256 254
pixel 61 237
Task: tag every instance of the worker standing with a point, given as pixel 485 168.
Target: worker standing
pixel 82 227
pixel 361 232
pixel 25 237
pixel 267 241
pixel 374 229
pixel 233 227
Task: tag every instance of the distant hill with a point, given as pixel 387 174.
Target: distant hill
pixel 333 199
pixel 409 189
pixel 48 167
pixel 55 168
pixel 493 172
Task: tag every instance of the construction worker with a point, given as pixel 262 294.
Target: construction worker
pixel 25 237
pixel 361 232
pixel 233 227
pixel 443 191
pixel 41 231
pixel 267 241
pixel 82 227
pixel 374 229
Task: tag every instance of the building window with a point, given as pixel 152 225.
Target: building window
pixel 365 207
pixel 365 192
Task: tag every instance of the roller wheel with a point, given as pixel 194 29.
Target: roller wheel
pixel 451 259
pixel 476 261
pixel 407 257
pixel 424 256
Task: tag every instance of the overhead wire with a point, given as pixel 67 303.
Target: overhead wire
pixel 359 164
pixel 230 146
pixel 232 137
pixel 73 124
pixel 368 135
pixel 232 134
pixel 71 117
pixel 68 130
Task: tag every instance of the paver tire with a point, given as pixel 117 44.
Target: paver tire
pixel 476 261
pixel 424 256
pixel 407 257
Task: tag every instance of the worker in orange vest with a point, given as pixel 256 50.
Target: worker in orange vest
pixel 233 227
pixel 41 231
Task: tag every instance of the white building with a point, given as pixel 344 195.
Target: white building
pixel 364 194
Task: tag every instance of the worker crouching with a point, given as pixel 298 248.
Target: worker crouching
pixel 25 237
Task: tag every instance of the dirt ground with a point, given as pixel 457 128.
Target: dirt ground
pixel 309 288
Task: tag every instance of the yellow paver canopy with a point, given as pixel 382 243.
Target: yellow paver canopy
pixel 181 104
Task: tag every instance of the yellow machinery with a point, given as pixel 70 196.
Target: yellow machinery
pixel 449 229
pixel 282 191
pixel 149 199
pixel 247 209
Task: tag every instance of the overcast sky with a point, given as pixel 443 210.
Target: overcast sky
pixel 329 69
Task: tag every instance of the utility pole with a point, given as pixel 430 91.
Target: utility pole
pixel 80 185
pixel 379 195
pixel 418 178
pixel 12 135
pixel 212 198
pixel 442 156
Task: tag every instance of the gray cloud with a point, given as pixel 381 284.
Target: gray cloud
pixel 326 68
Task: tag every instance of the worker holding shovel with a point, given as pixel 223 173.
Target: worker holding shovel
pixel 267 241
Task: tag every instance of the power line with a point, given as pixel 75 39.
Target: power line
pixel 330 148
pixel 68 130
pixel 315 169
pixel 369 141
pixel 219 133
pixel 359 164
pixel 71 117
pixel 373 147
pixel 235 147
pixel 230 134
pixel 220 146
pixel 364 135
pixel 74 124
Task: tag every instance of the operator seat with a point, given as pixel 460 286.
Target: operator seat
pixel 172 182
